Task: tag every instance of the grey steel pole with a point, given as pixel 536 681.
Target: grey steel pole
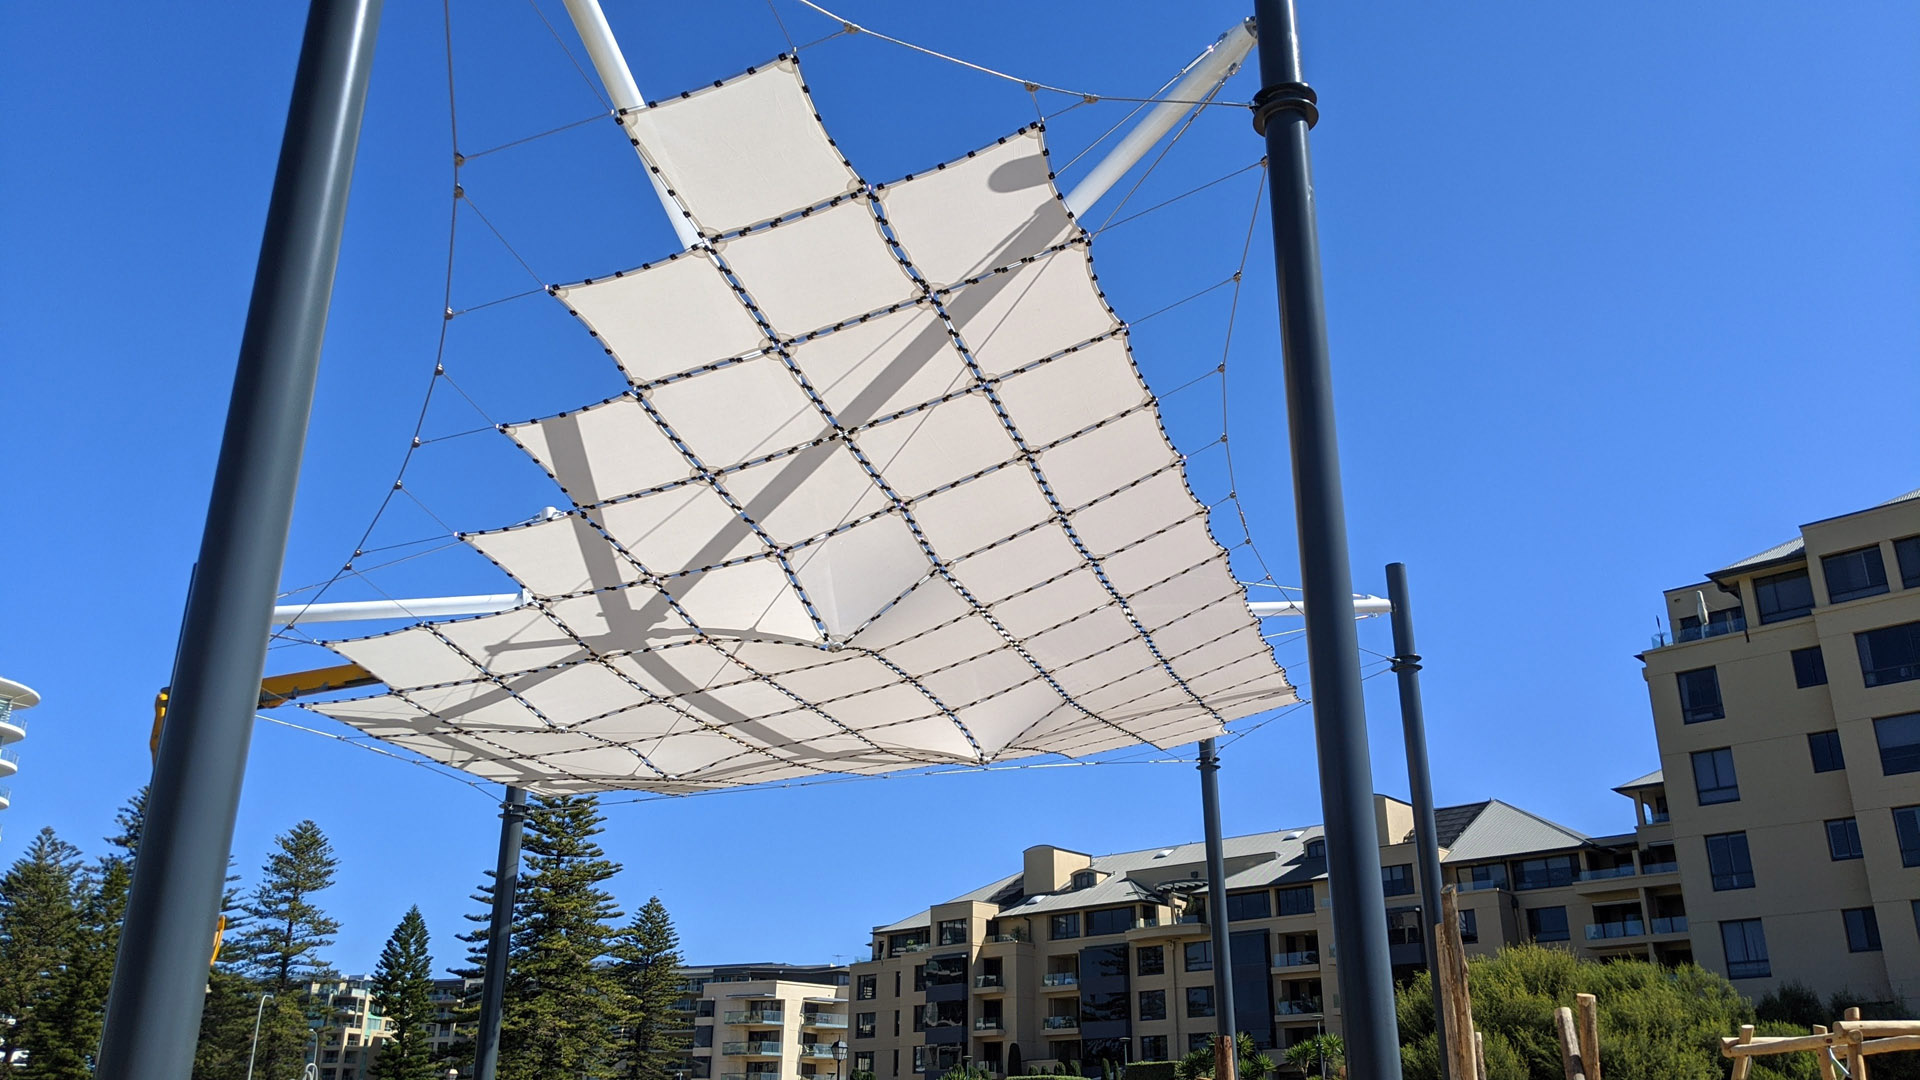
pixel 1413 721
pixel 1217 890
pixel 493 979
pixel 1283 111
pixel 160 978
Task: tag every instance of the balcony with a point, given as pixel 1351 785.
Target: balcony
pixel 9 761
pixel 768 1075
pixel 989 983
pixel 823 1020
pixel 988 1023
pixel 750 1049
pixel 1466 886
pixel 1623 928
pixel 1059 980
pixel 1013 937
pixel 1304 1006
pixel 1661 868
pixel 13 726
pixel 755 1016
pixel 1670 924
pixel 1305 958
pixel 1061 1023
pixel 816 1050
pixel 1606 874
pixel 912 947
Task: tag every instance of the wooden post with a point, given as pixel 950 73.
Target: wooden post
pixel 1826 1058
pixel 1570 1045
pixel 1450 981
pixel 1587 1008
pixel 1226 1059
pixel 1743 1064
pixel 1479 1057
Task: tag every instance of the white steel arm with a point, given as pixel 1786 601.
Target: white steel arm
pixel 1362 606
pixel 431 607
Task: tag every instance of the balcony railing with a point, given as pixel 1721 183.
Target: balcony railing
pixel 1623 928
pixel 1670 924
pixel 986 1023
pixel 816 1050
pixel 1668 867
pixel 1469 885
pixel 768 1075
pixel 1713 628
pixel 1607 873
pixel 910 947
pixel 755 1016
pixel 1012 936
pixel 762 1049
pixel 1296 959
pixel 988 982
pixel 1305 1006
pixel 823 1020
pixel 1061 1023
pixel 1060 978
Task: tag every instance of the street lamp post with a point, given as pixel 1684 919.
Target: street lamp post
pixel 839 1055
pixel 255 1048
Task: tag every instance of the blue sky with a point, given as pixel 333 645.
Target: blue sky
pixel 1615 298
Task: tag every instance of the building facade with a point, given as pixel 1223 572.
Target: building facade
pixel 14 698
pixel 767 1022
pixel 1786 703
pixel 1078 958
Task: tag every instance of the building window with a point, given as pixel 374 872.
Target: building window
pixel 953 931
pixel 1085 879
pixel 919 977
pixel 1397 880
pixel 1199 1001
pixel 1469 927
pixel 1825 747
pixel 896 1061
pixel 1198 1040
pixel 1854 574
pixel 1899 739
pixel 1484 876
pixel 1152 960
pixel 1109 921
pixel 1257 905
pixel 1064 926
pixel 1153 1004
pixel 1863 929
pixel 1547 923
pixel 1843 839
pixel 896 984
pixel 1890 654
pixel 1699 695
pixel 869 987
pixel 1199 956
pixel 1906 829
pixel 1551 872
pixel 1746 945
pixel 1809 667
pixel 863 1061
pixel 1783 596
pixel 920 1058
pixel 1729 862
pixel 1907 551
pixel 896 1023
pixel 1316 849
pixel 1713 778
pixel 863 1025
pixel 1153 1048
pixel 1296 900
pixel 1403 927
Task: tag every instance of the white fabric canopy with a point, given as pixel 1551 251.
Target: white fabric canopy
pixel 887 491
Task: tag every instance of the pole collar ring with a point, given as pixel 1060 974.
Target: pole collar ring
pixel 1285 97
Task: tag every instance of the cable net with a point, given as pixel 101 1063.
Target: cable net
pixel 887 491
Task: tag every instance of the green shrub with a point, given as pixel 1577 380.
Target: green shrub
pixel 1149 1070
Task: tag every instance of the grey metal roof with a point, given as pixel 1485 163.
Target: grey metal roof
pixel 1790 549
pixel 1501 830
pixel 1647 781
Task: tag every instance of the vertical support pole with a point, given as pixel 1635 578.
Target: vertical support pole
pixel 1413 723
pixel 1586 1015
pixel 1217 896
pixel 493 979
pixel 159 985
pixel 1283 111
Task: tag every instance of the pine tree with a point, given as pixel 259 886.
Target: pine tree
pixel 403 992
pixel 647 963
pixel 466 1012
pixel 64 1034
pixel 226 1022
pixel 39 926
pixel 563 1003
pixel 278 948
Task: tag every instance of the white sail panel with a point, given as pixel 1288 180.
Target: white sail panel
pixel 888 491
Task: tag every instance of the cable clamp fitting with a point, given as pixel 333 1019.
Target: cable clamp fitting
pixel 1285 97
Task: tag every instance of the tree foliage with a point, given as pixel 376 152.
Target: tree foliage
pixel 1309 1054
pixel 40 897
pixel 646 963
pixel 1198 1065
pixel 403 992
pixel 277 948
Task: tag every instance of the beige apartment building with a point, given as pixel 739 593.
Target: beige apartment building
pixel 1787 708
pixel 769 1022
pixel 1097 959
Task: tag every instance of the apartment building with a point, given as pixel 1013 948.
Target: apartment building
pixel 1786 703
pixel 347 1027
pixel 768 1022
pixel 1097 959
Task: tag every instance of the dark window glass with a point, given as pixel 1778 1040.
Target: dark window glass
pixel 1863 929
pixel 1153 1004
pixel 1469 927
pixel 1907 551
pixel 1296 900
pixel 1843 839
pixel 1854 574
pixel 1199 956
pixel 953 931
pixel 1547 923
pixel 703 1036
pixel 1403 927
pixel 869 987
pixel 919 977
pixel 1906 830
pixel 1104 1008
pixel 863 1025
pixel 1066 925
pixel 1085 879
pixel 1153 960
pixel 1551 872
pixel 1258 905
pixel 1153 1048
pixel 1825 747
pixel 1746 945
pixel 1729 862
pixel 1809 667
pixel 946 971
pixel 1199 1001
pixel 1109 921
pixel 1484 876
pixel 1890 654
pixel 1397 880
pixel 1783 596
pixel 1713 778
pixel 863 1061
pixel 1899 739
pixel 896 984
pixel 1316 849
pixel 1198 1040
pixel 896 1023
pixel 1699 695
